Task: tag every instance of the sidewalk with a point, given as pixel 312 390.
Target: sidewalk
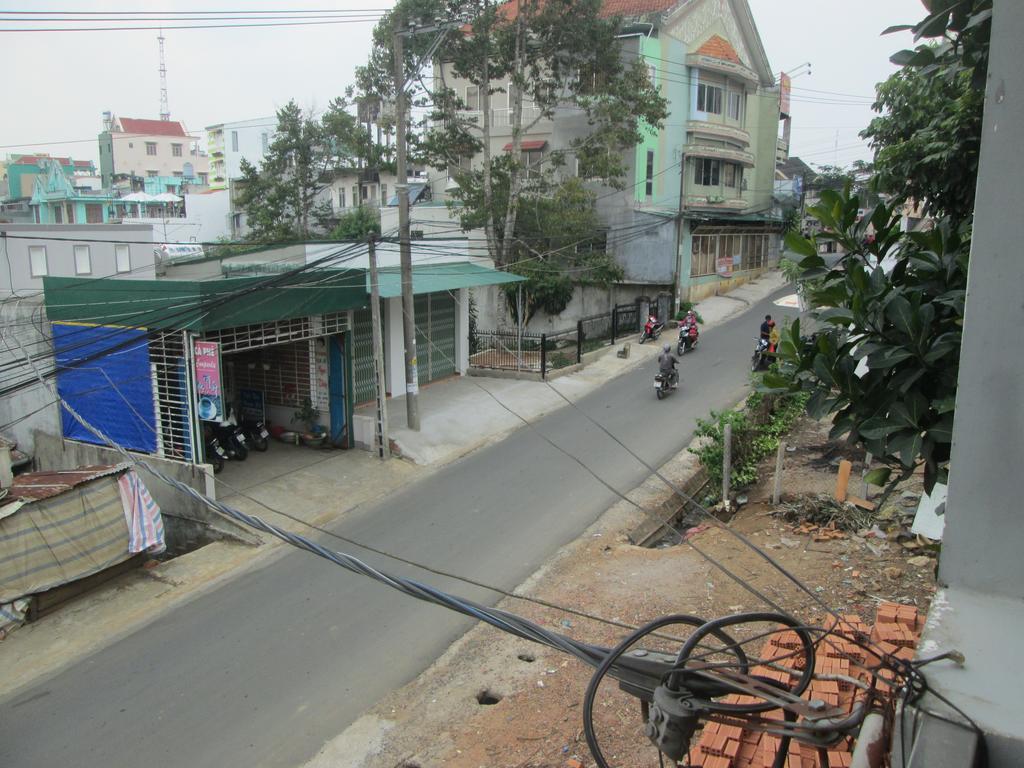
pixel 461 414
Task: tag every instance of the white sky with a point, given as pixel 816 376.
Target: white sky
pixel 57 85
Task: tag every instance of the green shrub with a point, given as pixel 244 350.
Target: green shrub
pixel 686 306
pixel 755 434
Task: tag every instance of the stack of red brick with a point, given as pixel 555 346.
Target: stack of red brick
pixel 896 631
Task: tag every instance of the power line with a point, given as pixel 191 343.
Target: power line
pixel 353 20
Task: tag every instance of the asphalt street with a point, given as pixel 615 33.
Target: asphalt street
pixel 266 668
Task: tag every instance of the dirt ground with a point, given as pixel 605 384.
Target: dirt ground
pixel 496 701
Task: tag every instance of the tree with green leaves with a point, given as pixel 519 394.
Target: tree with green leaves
pixel 283 197
pixel 564 228
pixel 547 56
pixel 884 359
pixel 927 136
pixel 357 224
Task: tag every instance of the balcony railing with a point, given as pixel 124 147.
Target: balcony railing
pixel 715 202
pixel 721 65
pixel 718 130
pixel 719 153
pixel 502 118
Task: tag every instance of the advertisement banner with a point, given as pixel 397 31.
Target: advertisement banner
pixel 208 381
pixel 724 266
pixel 785 88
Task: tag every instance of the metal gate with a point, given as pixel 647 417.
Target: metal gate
pixel 362 355
pixel 436 321
pixel 169 368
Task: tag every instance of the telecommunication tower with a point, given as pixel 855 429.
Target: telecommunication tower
pixel 165 111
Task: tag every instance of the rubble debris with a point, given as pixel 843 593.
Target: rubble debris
pixel 823 511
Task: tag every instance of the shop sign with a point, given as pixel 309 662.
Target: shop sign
pixel 724 266
pixel 208 380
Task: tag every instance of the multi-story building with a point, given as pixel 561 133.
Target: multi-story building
pixel 20 172
pixel 699 189
pixel 132 149
pixel 228 143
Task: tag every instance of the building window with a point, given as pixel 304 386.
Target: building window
pixel 649 185
pixel 203 178
pixel 178 174
pixel 706 172
pixel 152 174
pixel 83 262
pixel 265 142
pixel 355 195
pixel 735 102
pixel 709 99
pixel 383 194
pixel 704 255
pixel 58 214
pixel 472 97
pixel 37 260
pixel 234 141
pixel 123 257
pixel 531 160
pixel 341 199
pixel 176 150
pixel 151 148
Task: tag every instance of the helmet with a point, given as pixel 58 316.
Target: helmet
pixel 666 347
pixel 690 313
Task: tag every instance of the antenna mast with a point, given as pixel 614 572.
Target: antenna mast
pixel 165 111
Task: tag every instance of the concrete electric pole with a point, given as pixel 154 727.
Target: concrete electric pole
pixel 381 429
pixel 412 384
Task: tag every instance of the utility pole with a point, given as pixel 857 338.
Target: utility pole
pixel 412 384
pixel 381 430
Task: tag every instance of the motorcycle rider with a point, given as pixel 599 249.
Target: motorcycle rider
pixel 667 365
pixel 689 326
pixel 766 327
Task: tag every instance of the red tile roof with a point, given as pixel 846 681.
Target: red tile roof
pixel 609 8
pixel 152 127
pixel 37 159
pixel 719 48
pixel 527 146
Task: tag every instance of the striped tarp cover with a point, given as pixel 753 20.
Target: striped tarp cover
pixel 63 538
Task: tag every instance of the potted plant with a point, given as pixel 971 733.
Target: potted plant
pixel 308 414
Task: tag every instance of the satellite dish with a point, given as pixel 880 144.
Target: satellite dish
pixel 188 170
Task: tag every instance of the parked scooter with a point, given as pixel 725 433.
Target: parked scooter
pixel 664 384
pixel 762 357
pixel 688 335
pixel 213 451
pixel 256 434
pixel 231 437
pixel 652 329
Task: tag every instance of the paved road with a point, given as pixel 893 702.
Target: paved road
pixel 268 667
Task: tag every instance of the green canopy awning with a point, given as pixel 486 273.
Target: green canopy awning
pixel 430 278
pixel 202 305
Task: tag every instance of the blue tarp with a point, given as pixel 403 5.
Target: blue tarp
pixel 104 374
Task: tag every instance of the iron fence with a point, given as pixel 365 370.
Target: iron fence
pixel 509 350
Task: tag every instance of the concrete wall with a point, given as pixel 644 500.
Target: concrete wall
pixel 129 155
pixel 250 138
pixel 31 407
pixel 207 219
pixel 59 241
pixel 188 522
pixel 587 300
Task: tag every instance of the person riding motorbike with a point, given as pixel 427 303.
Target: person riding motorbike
pixel 667 365
pixel 767 329
pixel 689 327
